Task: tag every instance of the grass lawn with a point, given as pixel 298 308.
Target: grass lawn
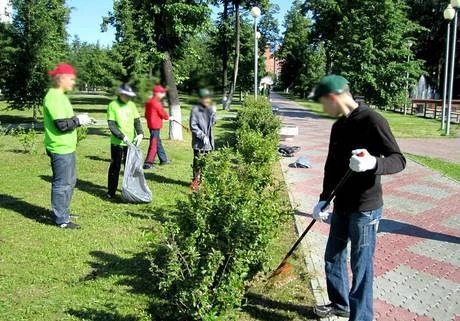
pixel 100 272
pixel 403 126
pixel 449 169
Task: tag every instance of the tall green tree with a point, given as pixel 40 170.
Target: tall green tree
pixel 36 42
pixel 304 61
pixel 159 30
pixel 368 42
pixel 98 67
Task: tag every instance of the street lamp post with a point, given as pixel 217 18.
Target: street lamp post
pixel 456 5
pixel 449 14
pixel 255 12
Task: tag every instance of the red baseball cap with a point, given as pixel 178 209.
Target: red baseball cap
pixel 159 89
pixel 61 69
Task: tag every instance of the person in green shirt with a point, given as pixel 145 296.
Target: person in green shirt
pixel 61 142
pixel 125 126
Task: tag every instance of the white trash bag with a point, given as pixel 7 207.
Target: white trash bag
pixel 135 189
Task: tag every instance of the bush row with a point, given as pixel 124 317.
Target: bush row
pixel 214 243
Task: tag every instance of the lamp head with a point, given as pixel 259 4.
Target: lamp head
pixel 258 35
pixel 449 12
pixel 255 12
pixel 455 4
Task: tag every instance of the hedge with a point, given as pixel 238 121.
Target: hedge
pixel 215 242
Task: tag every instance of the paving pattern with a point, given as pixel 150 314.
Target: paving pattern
pixel 417 261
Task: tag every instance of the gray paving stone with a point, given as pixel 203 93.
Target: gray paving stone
pixel 298 175
pixel 440 251
pixel 439 179
pixel 406 206
pixel 452 222
pixel 425 190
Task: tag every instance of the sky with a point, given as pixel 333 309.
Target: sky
pixel 86 18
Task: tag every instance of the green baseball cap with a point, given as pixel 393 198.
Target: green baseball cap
pixel 204 93
pixel 331 84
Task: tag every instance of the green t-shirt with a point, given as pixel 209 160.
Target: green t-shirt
pixel 56 105
pixel 124 115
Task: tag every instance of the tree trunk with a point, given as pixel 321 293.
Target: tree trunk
pixel 175 130
pixel 237 54
pixel 225 50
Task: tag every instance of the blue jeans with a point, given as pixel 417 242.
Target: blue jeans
pixel 361 229
pixel 64 180
pixel 155 147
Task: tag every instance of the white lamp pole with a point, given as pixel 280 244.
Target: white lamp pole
pixel 449 14
pixel 456 5
pixel 255 12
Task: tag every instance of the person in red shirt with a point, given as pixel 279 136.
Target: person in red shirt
pixel 155 114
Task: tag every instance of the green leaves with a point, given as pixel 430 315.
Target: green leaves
pixel 217 242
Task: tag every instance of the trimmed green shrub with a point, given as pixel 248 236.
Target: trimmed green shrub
pixel 28 138
pixel 215 242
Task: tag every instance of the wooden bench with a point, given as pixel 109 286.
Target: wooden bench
pixel 432 108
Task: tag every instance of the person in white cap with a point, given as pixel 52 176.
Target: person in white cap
pixel 125 126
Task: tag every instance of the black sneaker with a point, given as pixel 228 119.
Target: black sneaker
pixel 70 225
pixel 148 166
pixel 165 163
pixel 329 310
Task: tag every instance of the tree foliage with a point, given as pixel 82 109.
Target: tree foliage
pixel 368 42
pixel 35 42
pixel 304 61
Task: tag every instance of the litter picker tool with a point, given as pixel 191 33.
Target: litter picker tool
pixel 285 267
pixel 183 126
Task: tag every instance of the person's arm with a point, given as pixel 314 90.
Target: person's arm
pixel 67 124
pixel 393 160
pixel 114 130
pixel 161 111
pixel 138 126
pixel 329 179
pixel 194 126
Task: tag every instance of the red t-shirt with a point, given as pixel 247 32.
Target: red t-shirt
pixel 155 113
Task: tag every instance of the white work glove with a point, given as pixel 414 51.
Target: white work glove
pixel 319 215
pixel 126 140
pixel 138 139
pixel 362 161
pixel 84 119
pixel 206 141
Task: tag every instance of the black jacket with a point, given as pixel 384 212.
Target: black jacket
pixel 363 128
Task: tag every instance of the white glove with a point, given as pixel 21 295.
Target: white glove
pixel 362 161
pixel 126 140
pixel 213 109
pixel 206 141
pixel 138 139
pixel 318 214
pixel 84 119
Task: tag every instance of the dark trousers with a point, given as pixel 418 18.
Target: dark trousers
pixel 118 157
pixel 155 147
pixel 64 179
pixel 198 163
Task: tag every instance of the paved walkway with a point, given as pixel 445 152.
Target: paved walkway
pixel 443 148
pixel 417 263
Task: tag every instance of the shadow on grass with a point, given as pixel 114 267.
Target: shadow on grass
pixel 262 308
pixel 85 100
pixel 30 211
pixel 165 180
pixel 98 132
pixel 85 186
pixel 14 119
pixel 96 315
pixel 98 158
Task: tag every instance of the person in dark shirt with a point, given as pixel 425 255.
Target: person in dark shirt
pixel 361 140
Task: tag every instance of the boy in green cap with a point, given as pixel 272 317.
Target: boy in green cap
pixel 61 142
pixel 125 125
pixel 361 140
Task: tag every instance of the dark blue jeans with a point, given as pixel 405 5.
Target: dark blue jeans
pixel 361 229
pixel 64 180
pixel 155 147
